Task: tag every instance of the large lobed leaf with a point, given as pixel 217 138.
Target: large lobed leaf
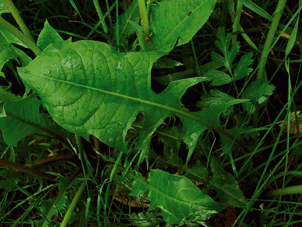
pixel 89 88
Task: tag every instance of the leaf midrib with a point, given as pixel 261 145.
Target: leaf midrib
pixel 157 105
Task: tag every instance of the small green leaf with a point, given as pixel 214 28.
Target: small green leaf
pixel 171 137
pixel 178 197
pixel 6 96
pixel 216 98
pixel 198 172
pixel 226 186
pixel 7 51
pixel 21 118
pixel 131 14
pixel 242 70
pixel 143 219
pixel 257 9
pixel 173 20
pixel 223 43
pixel 218 77
pixel 47 36
pixel 3 7
pixel 166 63
pixel 227 143
pixel 258 92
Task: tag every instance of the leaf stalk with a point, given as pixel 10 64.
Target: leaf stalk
pixel 14 11
pixel 23 38
pixel 144 17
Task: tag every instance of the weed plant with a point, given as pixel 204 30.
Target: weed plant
pixel 150 113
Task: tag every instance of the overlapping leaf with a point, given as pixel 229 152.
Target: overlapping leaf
pixel 21 118
pixel 89 88
pixel 229 52
pixel 226 186
pixel 173 20
pixel 131 14
pixel 259 93
pixel 177 197
pixel 7 50
pixel 3 7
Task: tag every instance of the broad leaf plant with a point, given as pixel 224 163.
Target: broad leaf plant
pixel 101 91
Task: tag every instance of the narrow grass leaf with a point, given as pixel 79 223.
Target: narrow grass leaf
pixel 257 9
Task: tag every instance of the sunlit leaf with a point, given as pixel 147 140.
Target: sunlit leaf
pixel 48 35
pixel 89 88
pixel 174 20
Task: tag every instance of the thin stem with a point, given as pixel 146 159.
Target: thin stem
pixel 100 14
pixel 14 11
pixel 74 203
pixel 25 169
pixel 269 40
pixel 144 17
pixel 23 38
pixel 50 213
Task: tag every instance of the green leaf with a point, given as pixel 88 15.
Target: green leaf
pixel 131 14
pixel 257 9
pixel 89 88
pixel 178 197
pixel 3 7
pixel 226 186
pixel 171 137
pixel 7 51
pixel 47 36
pixel 6 96
pixel 216 98
pixel 218 77
pixel 143 219
pixel 198 172
pixel 166 63
pixel 173 20
pixel 258 92
pixel 242 70
pixel 21 118
pixel 227 143
pixel 223 43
